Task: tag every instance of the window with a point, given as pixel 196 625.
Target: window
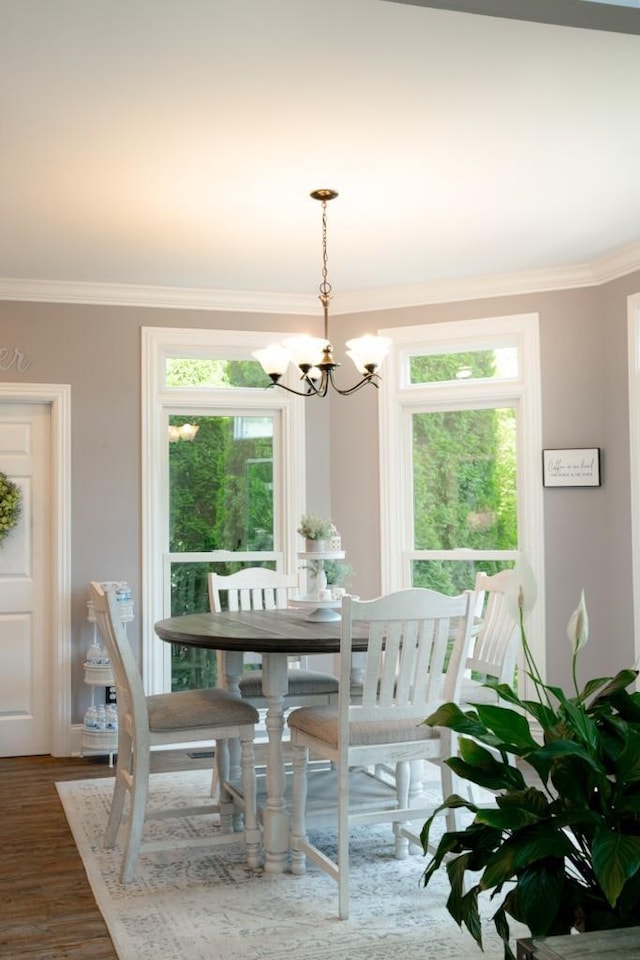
pixel 223 480
pixel 460 455
pixel 463 490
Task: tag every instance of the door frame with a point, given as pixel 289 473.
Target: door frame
pixel 58 397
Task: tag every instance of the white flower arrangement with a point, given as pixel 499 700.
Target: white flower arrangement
pixel 313 527
pixel 10 505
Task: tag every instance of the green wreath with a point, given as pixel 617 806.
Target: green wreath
pixel 10 505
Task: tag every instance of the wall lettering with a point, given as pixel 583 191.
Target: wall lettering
pixel 15 360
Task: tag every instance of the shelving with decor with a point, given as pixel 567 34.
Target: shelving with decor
pixel 321 601
pixel 100 729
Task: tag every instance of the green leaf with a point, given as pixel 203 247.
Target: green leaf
pixel 505 692
pixel 531 799
pixel 537 896
pixel 502 927
pixel 627 704
pixel 449 841
pixel 471 915
pixel 622 680
pixel 569 748
pixel 510 726
pixel 512 819
pixel 628 803
pixel 591 686
pixel 559 694
pixel 477 761
pixel 627 766
pixel 456 873
pixel 515 810
pixel 533 843
pixel 496 777
pixel 451 716
pixel 616 858
pixel 582 724
pixel 542 713
pixel 541 764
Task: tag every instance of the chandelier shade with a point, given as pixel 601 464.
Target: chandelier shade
pixel 187 431
pixel 313 356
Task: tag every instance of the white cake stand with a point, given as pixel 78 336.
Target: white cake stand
pixel 319 610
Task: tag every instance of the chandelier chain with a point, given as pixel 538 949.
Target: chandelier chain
pixel 314 356
pixel 325 286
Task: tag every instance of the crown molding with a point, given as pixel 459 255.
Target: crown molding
pixel 174 298
pixel 617 264
pixel 449 291
pixel 603 270
pixel 607 268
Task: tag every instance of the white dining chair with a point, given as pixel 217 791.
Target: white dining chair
pixel 259 588
pixel 166 720
pixel 496 643
pixel 404 679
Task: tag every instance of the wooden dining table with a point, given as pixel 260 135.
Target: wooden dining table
pixel 275 635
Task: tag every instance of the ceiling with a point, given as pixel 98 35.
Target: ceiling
pixel 173 144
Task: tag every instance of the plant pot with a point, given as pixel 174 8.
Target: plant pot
pixel 315 546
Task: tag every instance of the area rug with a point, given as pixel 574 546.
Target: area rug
pixel 204 904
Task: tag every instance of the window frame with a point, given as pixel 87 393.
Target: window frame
pixel 158 401
pixel 400 399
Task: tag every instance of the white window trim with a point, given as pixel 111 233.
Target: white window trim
pixel 633 345
pixel 524 391
pixel 158 344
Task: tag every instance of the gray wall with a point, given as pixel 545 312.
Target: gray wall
pixel 583 337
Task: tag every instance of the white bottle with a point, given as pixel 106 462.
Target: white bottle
pixel 91 719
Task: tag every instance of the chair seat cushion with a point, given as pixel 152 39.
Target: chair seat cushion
pixel 187 709
pixel 322 723
pixel 301 683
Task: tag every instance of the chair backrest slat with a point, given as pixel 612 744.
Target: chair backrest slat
pixel 495 648
pixel 413 635
pixel 254 588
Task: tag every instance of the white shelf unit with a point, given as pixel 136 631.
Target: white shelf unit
pixel 99 674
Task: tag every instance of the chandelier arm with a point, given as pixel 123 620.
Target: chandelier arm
pixel 371 378
pixel 315 390
pixel 282 386
pixel 311 391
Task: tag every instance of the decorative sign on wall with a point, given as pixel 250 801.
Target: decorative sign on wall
pixel 573 467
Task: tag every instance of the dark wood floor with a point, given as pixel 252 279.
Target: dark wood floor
pixel 47 910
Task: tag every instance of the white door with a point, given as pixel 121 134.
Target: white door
pixel 25 631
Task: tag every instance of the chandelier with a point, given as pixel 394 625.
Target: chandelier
pixel 187 431
pixel 314 355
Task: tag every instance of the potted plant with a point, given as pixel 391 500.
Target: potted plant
pixel 335 572
pixel 564 854
pixel 316 531
pixel 329 574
